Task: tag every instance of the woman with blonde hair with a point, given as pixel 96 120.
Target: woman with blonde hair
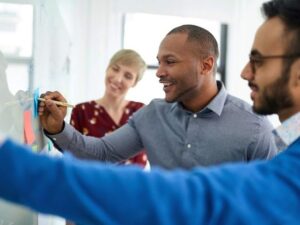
pixel 111 111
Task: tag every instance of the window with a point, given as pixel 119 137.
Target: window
pixel 16 38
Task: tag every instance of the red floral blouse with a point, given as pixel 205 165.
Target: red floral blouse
pixel 91 119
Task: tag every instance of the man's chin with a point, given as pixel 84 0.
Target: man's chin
pixel 169 100
pixel 261 110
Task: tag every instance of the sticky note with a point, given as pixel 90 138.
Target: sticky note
pixel 35 102
pixel 28 130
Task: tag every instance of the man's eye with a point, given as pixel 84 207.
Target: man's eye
pixel 170 61
pixel 257 62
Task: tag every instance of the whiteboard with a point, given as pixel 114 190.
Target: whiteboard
pixel 12 108
pixel 50 70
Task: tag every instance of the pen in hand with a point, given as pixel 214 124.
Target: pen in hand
pixel 58 103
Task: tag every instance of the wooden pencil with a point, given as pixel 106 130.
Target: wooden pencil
pixel 58 103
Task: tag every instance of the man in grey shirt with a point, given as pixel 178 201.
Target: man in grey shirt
pixel 197 124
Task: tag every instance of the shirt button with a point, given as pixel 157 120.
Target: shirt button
pixel 195 115
pixel 189 146
pixel 54 139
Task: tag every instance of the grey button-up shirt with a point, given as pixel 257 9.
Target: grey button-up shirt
pixel 225 131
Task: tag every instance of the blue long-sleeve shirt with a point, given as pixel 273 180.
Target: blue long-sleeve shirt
pixel 91 193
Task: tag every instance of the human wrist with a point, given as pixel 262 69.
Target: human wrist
pixel 56 131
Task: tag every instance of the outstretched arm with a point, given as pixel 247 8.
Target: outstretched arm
pixel 91 193
pixel 114 147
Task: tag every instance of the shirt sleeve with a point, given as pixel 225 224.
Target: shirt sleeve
pixel 263 145
pixel 114 147
pixel 92 193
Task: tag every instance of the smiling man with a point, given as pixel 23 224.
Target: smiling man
pixel 274 90
pixel 197 124
pixel 187 69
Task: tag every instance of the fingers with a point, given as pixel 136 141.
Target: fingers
pixel 48 105
pixel 55 95
pixel 57 112
pixel 51 114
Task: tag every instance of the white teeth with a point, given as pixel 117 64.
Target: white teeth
pixel 114 86
pixel 166 84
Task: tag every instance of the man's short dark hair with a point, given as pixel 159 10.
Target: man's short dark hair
pixel 207 42
pixel 289 12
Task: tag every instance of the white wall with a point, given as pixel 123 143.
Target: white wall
pixel 246 19
pixel 96 30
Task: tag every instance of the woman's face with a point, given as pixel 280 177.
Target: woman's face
pixel 119 78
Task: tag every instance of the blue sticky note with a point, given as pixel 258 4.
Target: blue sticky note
pixel 35 102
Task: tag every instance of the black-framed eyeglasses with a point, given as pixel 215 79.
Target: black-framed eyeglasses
pixel 256 59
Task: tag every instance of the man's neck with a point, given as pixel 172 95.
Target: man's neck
pixel 287 113
pixel 202 100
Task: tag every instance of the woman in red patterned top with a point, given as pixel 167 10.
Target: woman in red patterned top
pixel 111 111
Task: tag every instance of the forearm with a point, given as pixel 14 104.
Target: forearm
pixel 89 193
pixel 115 147
pixel 44 184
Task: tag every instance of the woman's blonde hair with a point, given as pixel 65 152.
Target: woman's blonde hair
pixel 130 58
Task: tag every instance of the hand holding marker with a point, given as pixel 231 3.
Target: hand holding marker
pixel 58 103
pixel 37 97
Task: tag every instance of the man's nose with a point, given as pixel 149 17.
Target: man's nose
pixel 160 71
pixel 247 73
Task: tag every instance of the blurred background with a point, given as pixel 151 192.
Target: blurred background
pixel 65 45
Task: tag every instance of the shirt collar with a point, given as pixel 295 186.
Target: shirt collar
pixel 287 132
pixel 216 105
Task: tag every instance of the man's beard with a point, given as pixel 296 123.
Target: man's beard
pixel 275 97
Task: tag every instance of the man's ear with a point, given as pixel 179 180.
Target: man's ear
pixel 295 82
pixel 208 65
pixel 295 74
pixel 298 78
